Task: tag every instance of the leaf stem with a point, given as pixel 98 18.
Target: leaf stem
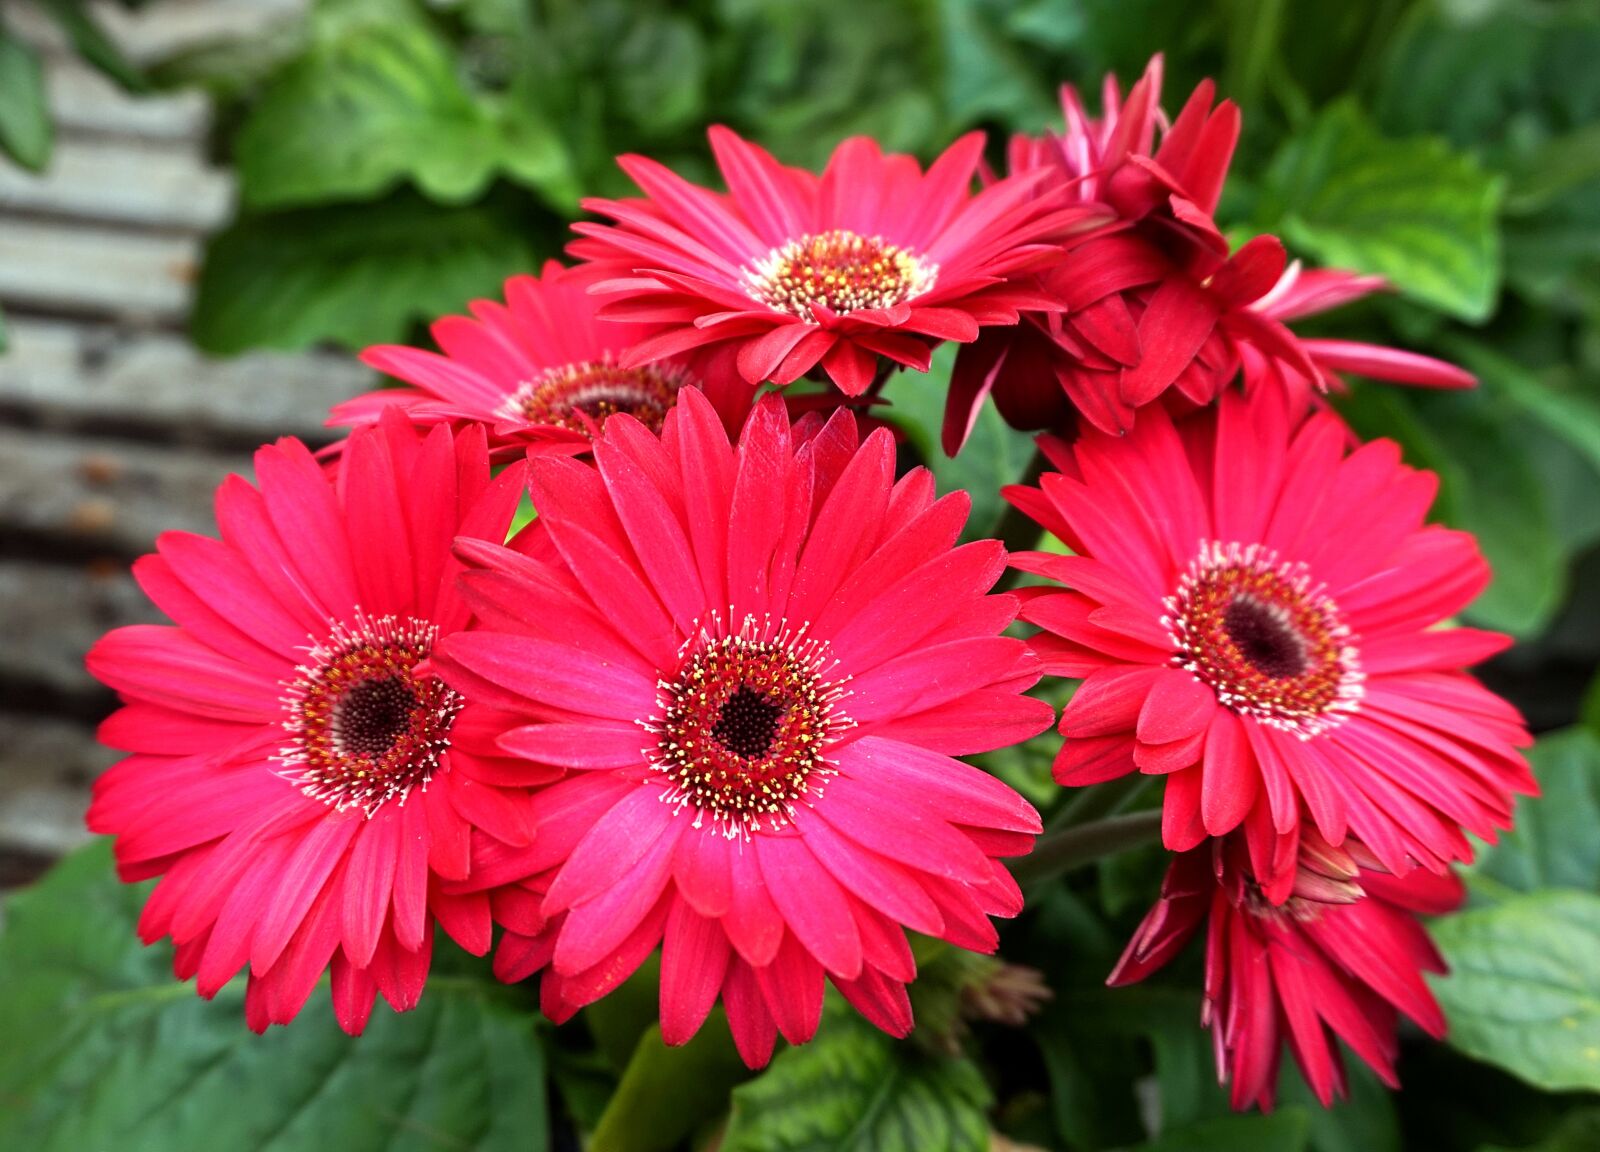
pixel 1097 801
pixel 1064 849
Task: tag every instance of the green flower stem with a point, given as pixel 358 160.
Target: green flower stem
pixel 1098 801
pixel 1064 849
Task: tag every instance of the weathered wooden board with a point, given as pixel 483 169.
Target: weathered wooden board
pixel 78 269
pixel 102 496
pixel 85 103
pixel 55 613
pixel 118 181
pixel 158 30
pixel 112 427
pixel 46 770
pixel 75 375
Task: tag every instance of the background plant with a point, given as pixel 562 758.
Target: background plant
pixel 396 159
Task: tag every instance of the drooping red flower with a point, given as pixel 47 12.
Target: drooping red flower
pixel 874 257
pixel 1155 307
pixel 758 662
pixel 540 372
pixel 1309 292
pixel 1255 614
pixel 295 776
pixel 1339 955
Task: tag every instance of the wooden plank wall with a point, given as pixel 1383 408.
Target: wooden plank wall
pixel 112 428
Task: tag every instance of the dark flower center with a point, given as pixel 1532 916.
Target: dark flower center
pixel 364 728
pixel 372 715
pixel 1271 645
pixel 1265 637
pixel 744 725
pixel 748 723
pixel 582 396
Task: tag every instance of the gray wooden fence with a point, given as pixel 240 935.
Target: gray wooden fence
pixel 112 428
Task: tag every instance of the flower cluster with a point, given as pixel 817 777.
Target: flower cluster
pixel 712 701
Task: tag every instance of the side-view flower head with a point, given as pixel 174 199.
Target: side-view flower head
pixel 1157 306
pixel 758 662
pixel 291 772
pixel 1338 954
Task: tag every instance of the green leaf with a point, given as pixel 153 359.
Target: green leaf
pixel 1524 987
pixel 666 1093
pixel 1487 487
pixel 1573 414
pixel 986 76
pixel 660 70
pixel 1285 1130
pixel 25 130
pixel 1554 842
pixel 105 1050
pixel 350 275
pixel 853 1089
pixel 92 43
pixel 379 104
pixel 1578 1132
pixel 1414 211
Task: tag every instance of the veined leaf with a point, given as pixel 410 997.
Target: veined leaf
pixel 853 1089
pixel 1414 211
pixel 104 1049
pixel 380 104
pixel 1524 987
pixel 1553 844
pixel 354 275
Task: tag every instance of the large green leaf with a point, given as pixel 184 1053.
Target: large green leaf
pixel 854 1089
pixel 382 103
pixel 1554 843
pixel 25 132
pixel 105 1050
pixel 1524 986
pixel 351 275
pixel 1414 211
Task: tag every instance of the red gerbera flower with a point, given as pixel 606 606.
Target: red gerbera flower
pixel 1255 616
pixel 1156 307
pixel 292 776
pixel 765 658
pixel 1308 292
pixel 1339 955
pixel 873 258
pixel 539 371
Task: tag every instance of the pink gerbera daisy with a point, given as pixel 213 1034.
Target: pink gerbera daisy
pixel 294 776
pixel 759 662
pixel 540 371
pixel 875 257
pixel 1156 308
pixel 1255 615
pixel 1339 955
